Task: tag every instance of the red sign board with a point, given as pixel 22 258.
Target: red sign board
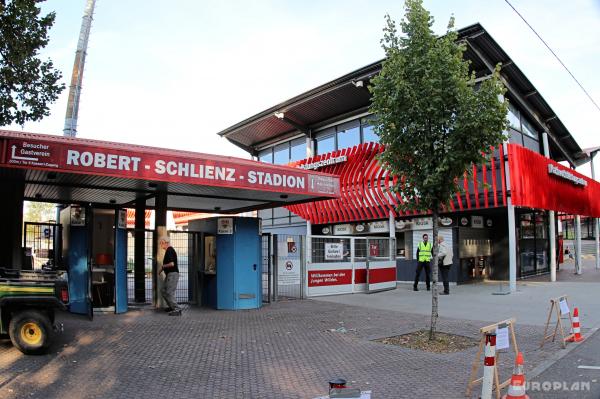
pixel 153 165
pixel 538 182
pixel 318 278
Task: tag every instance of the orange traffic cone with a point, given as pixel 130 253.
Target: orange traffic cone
pixel 576 328
pixel 516 389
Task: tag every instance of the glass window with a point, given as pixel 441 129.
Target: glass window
pixel 348 135
pixel 266 155
pixel 281 154
pixel 325 144
pixel 530 143
pixel 298 150
pixel 528 129
pixel 513 117
pixel 368 130
pixel 515 137
pixel 368 133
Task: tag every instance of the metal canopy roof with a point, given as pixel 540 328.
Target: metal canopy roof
pixel 342 97
pixel 53 170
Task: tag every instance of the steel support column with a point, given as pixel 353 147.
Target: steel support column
pixel 578 245
pixel 160 230
pixel 551 221
pixel 512 247
pixel 139 274
pixel 596 221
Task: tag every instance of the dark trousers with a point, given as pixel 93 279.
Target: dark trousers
pixel 445 272
pixel 420 267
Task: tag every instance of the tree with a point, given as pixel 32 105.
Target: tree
pixel 40 212
pixel 431 117
pixel 27 84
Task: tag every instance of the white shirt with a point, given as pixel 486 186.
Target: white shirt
pixel 445 253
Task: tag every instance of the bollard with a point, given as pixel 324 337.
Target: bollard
pixel 337 383
pixel 489 365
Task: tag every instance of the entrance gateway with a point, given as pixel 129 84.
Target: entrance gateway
pixel 96 181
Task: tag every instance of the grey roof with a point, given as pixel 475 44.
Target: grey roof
pixel 341 97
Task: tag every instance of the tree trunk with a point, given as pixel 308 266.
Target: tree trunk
pixel 434 275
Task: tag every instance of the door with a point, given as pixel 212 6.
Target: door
pixel 76 250
pixel 121 261
pixel 247 283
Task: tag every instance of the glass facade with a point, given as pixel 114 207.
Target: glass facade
pixel 521 131
pixel 533 243
pixel 345 135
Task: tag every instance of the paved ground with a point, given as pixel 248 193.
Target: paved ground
pixel 530 304
pixel 291 349
pixel 565 380
pixel 285 350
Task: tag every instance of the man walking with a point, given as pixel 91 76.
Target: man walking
pixel 444 263
pixel 424 258
pixel 171 270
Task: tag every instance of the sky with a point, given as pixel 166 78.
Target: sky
pixel 174 73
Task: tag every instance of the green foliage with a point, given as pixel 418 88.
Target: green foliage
pixel 27 84
pixel 39 212
pixel 431 117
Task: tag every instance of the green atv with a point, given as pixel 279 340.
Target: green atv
pixel 28 300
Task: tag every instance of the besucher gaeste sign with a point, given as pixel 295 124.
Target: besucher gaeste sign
pixel 153 165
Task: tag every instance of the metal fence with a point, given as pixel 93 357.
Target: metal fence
pixel 148 258
pixel 340 265
pixel 42 243
pixel 290 267
pixel 182 242
pixel 266 267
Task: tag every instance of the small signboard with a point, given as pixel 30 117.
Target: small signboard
pixel 225 226
pixel 288 271
pixel 477 222
pixel 381 226
pixel 122 220
pixel 342 229
pixel 564 306
pixel 77 216
pixel 334 251
pixel 502 341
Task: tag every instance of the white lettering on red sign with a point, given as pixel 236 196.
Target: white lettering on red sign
pixel 275 179
pixel 103 161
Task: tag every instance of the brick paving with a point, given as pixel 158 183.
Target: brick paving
pixel 284 350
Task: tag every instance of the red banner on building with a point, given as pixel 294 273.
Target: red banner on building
pixel 151 164
pixel 538 182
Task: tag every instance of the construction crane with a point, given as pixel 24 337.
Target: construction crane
pixel 70 128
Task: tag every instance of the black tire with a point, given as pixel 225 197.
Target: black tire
pixel 30 331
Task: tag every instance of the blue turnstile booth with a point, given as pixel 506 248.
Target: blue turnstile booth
pixel 229 271
pixel 94 246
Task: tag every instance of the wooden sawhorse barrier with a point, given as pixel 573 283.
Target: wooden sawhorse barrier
pixel 560 306
pixel 508 323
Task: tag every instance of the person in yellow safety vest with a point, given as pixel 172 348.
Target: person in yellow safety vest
pixel 424 255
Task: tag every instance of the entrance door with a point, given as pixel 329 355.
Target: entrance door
pixel 76 255
pixel 247 283
pixel 121 261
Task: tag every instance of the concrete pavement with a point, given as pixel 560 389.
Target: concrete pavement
pixel 565 379
pixel 289 349
pixel 530 304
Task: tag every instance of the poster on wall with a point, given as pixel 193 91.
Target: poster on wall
pixel 225 226
pixel 381 226
pixel 122 219
pixel 288 271
pixel 77 216
pixel 334 251
pixel 477 222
